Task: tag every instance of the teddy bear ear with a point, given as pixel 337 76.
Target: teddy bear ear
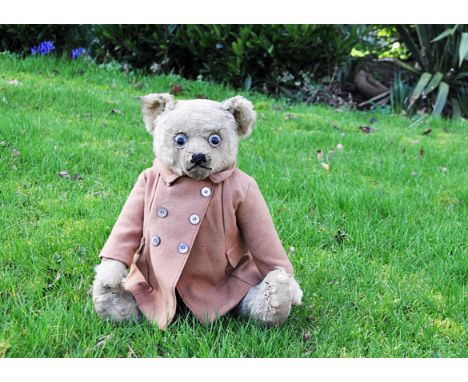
pixel 243 112
pixel 152 105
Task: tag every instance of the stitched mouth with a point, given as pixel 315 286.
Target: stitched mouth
pixel 199 165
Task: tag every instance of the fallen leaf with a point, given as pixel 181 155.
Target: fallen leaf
pixel 14 83
pixel 201 96
pixel 325 166
pixel 140 85
pixel 372 120
pixel 319 154
pixel 443 169
pixel 65 174
pixel 340 236
pixel 131 353
pixel 4 346
pixel 2 143
pixel 330 153
pixel 277 107
pixel 117 112
pixel 292 249
pixel 81 250
pixel 421 152
pixel 427 131
pixel 102 341
pixel 15 153
pixel 366 129
pixel 76 177
pixel 339 146
pixel 287 117
pixel 176 89
pixel 307 336
pixel 414 173
pixel 126 69
pixel 58 276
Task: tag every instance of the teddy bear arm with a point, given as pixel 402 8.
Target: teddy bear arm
pixel 258 230
pixel 127 232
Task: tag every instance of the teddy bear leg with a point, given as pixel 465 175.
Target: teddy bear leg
pixel 270 301
pixel 111 300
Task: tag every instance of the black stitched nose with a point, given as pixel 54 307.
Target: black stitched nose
pixel 198 158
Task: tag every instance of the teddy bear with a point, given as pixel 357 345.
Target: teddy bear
pixel 195 230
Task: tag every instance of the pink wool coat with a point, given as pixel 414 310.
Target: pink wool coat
pixel 211 240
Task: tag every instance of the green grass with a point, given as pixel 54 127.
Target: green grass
pixel 393 284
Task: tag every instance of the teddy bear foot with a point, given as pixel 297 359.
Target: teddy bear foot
pixel 270 301
pixel 111 300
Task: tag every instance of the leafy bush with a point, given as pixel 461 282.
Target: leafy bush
pixel 287 59
pixel 440 54
pixel 266 57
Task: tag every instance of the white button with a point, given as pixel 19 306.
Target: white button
pixel 182 248
pixel 194 219
pixel 206 192
pixel 162 212
pixel 155 240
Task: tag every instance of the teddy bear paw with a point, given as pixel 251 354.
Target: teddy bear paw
pixel 114 304
pixel 110 299
pixel 270 301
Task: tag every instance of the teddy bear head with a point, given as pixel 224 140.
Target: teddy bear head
pixel 198 137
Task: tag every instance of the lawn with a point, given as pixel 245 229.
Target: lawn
pixel 378 237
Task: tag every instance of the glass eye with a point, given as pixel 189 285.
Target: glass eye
pixel 214 140
pixel 180 140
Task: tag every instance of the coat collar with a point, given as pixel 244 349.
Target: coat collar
pixel 170 177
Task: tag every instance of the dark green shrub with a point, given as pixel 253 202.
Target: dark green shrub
pixel 261 56
pixel 289 59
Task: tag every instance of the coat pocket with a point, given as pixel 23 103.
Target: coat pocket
pixel 241 265
pixel 138 277
pixel 235 254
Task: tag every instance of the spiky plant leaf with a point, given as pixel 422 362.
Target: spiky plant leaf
pixel 441 98
pixel 419 88
pixel 434 83
pixel 463 49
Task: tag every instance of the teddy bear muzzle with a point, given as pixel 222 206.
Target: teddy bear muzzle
pixel 199 166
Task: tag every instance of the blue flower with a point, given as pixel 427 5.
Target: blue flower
pixel 43 48
pixel 75 53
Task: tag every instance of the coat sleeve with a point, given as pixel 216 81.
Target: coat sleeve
pixel 127 232
pixel 258 230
